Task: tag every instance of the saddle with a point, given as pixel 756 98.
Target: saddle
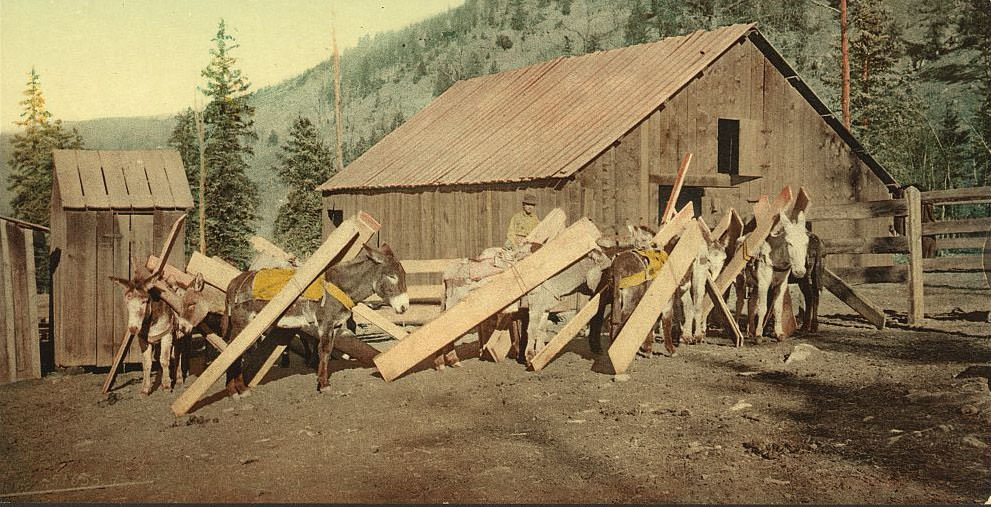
pixel 652 260
pixel 268 283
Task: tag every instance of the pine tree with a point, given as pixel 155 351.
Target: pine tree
pixel 636 26
pixel 304 163
pixel 185 140
pixel 874 51
pixel 231 197
pixel 31 163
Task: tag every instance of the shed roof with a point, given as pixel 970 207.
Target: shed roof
pixel 102 179
pixel 549 120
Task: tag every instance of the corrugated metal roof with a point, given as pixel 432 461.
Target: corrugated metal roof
pixel 546 121
pixel 92 179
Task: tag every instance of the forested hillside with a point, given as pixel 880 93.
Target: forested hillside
pixel 920 74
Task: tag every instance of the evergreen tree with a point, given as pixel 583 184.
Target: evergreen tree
pixel 186 141
pixel 304 163
pixel 231 197
pixel 874 51
pixel 636 25
pixel 31 162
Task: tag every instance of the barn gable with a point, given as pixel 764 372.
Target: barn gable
pixel 548 121
pixel 91 179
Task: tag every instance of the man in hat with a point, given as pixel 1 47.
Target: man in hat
pixel 522 222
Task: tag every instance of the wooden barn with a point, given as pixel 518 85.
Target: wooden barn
pixel 602 135
pixel 107 206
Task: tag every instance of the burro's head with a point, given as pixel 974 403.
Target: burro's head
pixel 796 239
pixel 390 285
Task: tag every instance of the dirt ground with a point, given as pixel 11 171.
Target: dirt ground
pixel 893 416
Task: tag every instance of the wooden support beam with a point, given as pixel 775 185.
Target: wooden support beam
pixel 339 240
pixel 566 334
pixel 914 229
pixel 504 288
pixel 766 215
pixel 661 289
pixel 729 322
pixel 980 225
pixel 214 273
pixel 852 298
pixel 858 210
pixel 676 189
pixel 957 196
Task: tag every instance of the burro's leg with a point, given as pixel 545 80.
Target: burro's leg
pixel 165 360
pixel 779 302
pixel 146 351
pixel 764 275
pixel 327 337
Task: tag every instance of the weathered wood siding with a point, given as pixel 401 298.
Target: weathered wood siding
pixel 783 141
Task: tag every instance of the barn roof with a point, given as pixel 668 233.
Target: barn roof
pixel 101 179
pixel 549 120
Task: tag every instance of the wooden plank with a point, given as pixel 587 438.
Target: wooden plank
pixel 858 210
pixel 264 246
pixel 674 226
pixel 176 174
pixel 158 183
pixel 801 203
pixel 304 276
pixel 676 189
pixel 766 215
pixel 22 300
pixel 419 266
pixel 968 195
pixel 959 264
pixel 125 344
pixel 981 225
pixel 913 230
pixel 91 176
pixel 884 244
pixel 214 273
pixel 729 321
pixel 852 298
pixel 873 274
pixel 504 288
pixel 566 334
pixel 376 319
pixel 8 333
pixel 975 243
pixel 548 228
pixel 661 289
pixel 169 227
pixel 137 181
pixel 356 348
pixel 67 175
pixel 416 315
pixel 108 294
pixel 113 176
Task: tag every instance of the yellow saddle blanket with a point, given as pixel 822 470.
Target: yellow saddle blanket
pixel 655 261
pixel 268 283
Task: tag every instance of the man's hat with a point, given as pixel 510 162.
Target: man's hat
pixel 529 198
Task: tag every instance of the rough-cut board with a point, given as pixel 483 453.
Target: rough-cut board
pixel 766 215
pixel 661 289
pixel 504 288
pixel 262 245
pixel 673 227
pixel 498 344
pixel 377 320
pixel 676 189
pixel 724 312
pixel 566 334
pixel 914 229
pixel 852 298
pixel 214 273
pixel 550 226
pixel 338 241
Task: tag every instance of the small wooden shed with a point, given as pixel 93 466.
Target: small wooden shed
pixel 20 342
pixel 602 135
pixel 107 207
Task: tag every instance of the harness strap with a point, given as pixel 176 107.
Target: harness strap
pixel 338 294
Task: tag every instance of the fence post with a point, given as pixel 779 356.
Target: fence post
pixel 913 229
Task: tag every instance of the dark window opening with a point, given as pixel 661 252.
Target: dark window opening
pixel 688 195
pixel 336 216
pixel 729 147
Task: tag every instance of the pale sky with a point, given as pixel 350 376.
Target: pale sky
pixel 108 58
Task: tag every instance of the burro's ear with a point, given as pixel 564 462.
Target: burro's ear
pixel 120 281
pixel 375 255
pixel 386 249
pixel 197 282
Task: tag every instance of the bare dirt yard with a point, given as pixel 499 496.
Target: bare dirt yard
pixel 893 416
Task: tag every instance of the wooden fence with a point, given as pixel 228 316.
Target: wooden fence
pixel 908 210
pixel 20 342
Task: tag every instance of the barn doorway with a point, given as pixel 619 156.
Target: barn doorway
pixel 688 195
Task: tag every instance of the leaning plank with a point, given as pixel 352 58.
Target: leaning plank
pixel 550 226
pixel 377 320
pixel 214 273
pixel 366 228
pixel 660 291
pixel 852 298
pixel 262 245
pixel 676 189
pixel 118 357
pixel 504 288
pixel 801 203
pixel 723 224
pixel 339 240
pixel 723 311
pixel 673 227
pixel 766 215
pixel 566 334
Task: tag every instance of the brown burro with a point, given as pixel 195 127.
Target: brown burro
pixel 371 272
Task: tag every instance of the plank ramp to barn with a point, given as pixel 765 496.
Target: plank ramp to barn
pixel 107 207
